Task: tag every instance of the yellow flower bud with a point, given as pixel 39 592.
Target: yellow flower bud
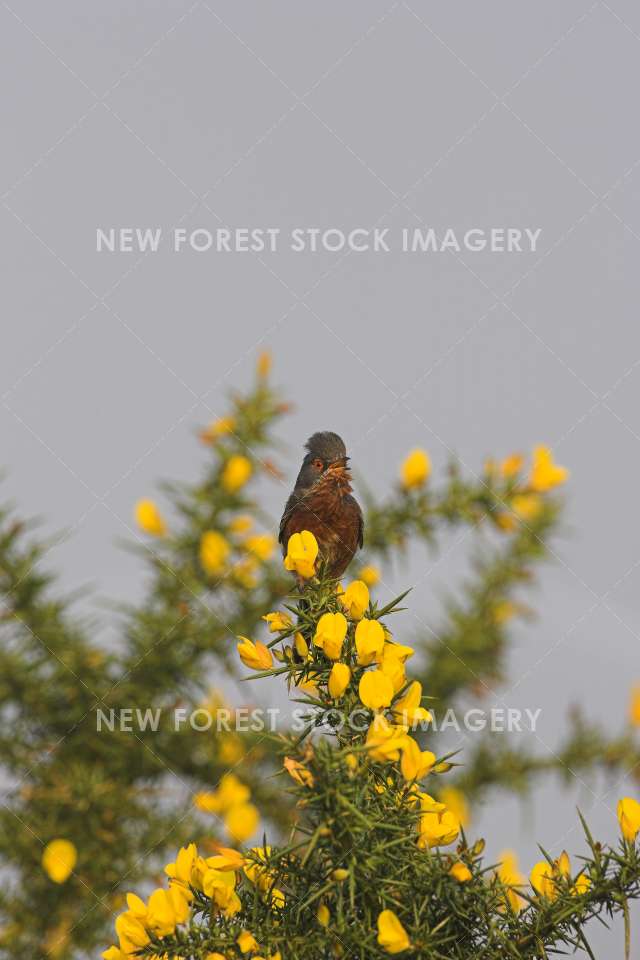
pixel 323 915
pixel 629 817
pixel 58 860
pixel 526 506
pixel 460 872
pixel 246 942
pixel 370 575
pixel 542 880
pixel 256 655
pixel 340 874
pixel 512 465
pixel 261 546
pixel 278 621
pixel 415 470
pixel 237 471
pixel 545 474
pixel 355 599
pixel 510 876
pixel 149 518
pixel 241 524
pixel 301 645
pixel 338 680
pixel 263 365
pixel 392 936
pixel 214 551
pixel 581 885
pixel 351 762
pixel 218 428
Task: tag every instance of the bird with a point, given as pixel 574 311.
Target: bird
pixel 322 503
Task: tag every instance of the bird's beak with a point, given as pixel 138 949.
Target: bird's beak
pixel 340 468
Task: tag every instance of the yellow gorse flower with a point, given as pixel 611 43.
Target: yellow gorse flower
pixel 261 545
pixel 149 518
pixel 246 942
pixel 438 826
pixel 396 651
pixel 392 936
pixel 226 859
pixel 370 575
pixel 236 472
pixel 375 690
pixel 456 802
pixel 263 364
pixel 415 763
pixel 302 550
pixel 256 655
pixel 629 817
pixel 231 792
pixel 384 740
pixel 245 572
pixel 407 709
pixel 543 881
pixel 241 524
pixel 545 474
pixel 301 646
pixel 323 915
pixel 394 670
pixel 369 642
pixel 131 932
pixel 278 621
pixel 415 469
pixel 241 822
pixel 460 872
pixel 214 550
pixel 59 857
pixel 526 506
pixel 547 879
pixel 512 465
pixel 217 428
pixel 510 875
pixel 180 871
pixel 355 599
pixel 298 772
pixel 330 633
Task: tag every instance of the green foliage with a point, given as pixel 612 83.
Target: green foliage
pixel 125 798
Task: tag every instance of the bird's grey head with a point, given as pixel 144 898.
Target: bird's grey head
pixel 324 449
pixel 326 446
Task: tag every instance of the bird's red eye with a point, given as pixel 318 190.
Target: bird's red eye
pixel 318 464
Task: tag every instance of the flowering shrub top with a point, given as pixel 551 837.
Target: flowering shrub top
pixel 370 868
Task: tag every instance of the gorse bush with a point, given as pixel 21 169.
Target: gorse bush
pixel 366 870
pixel 367 853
